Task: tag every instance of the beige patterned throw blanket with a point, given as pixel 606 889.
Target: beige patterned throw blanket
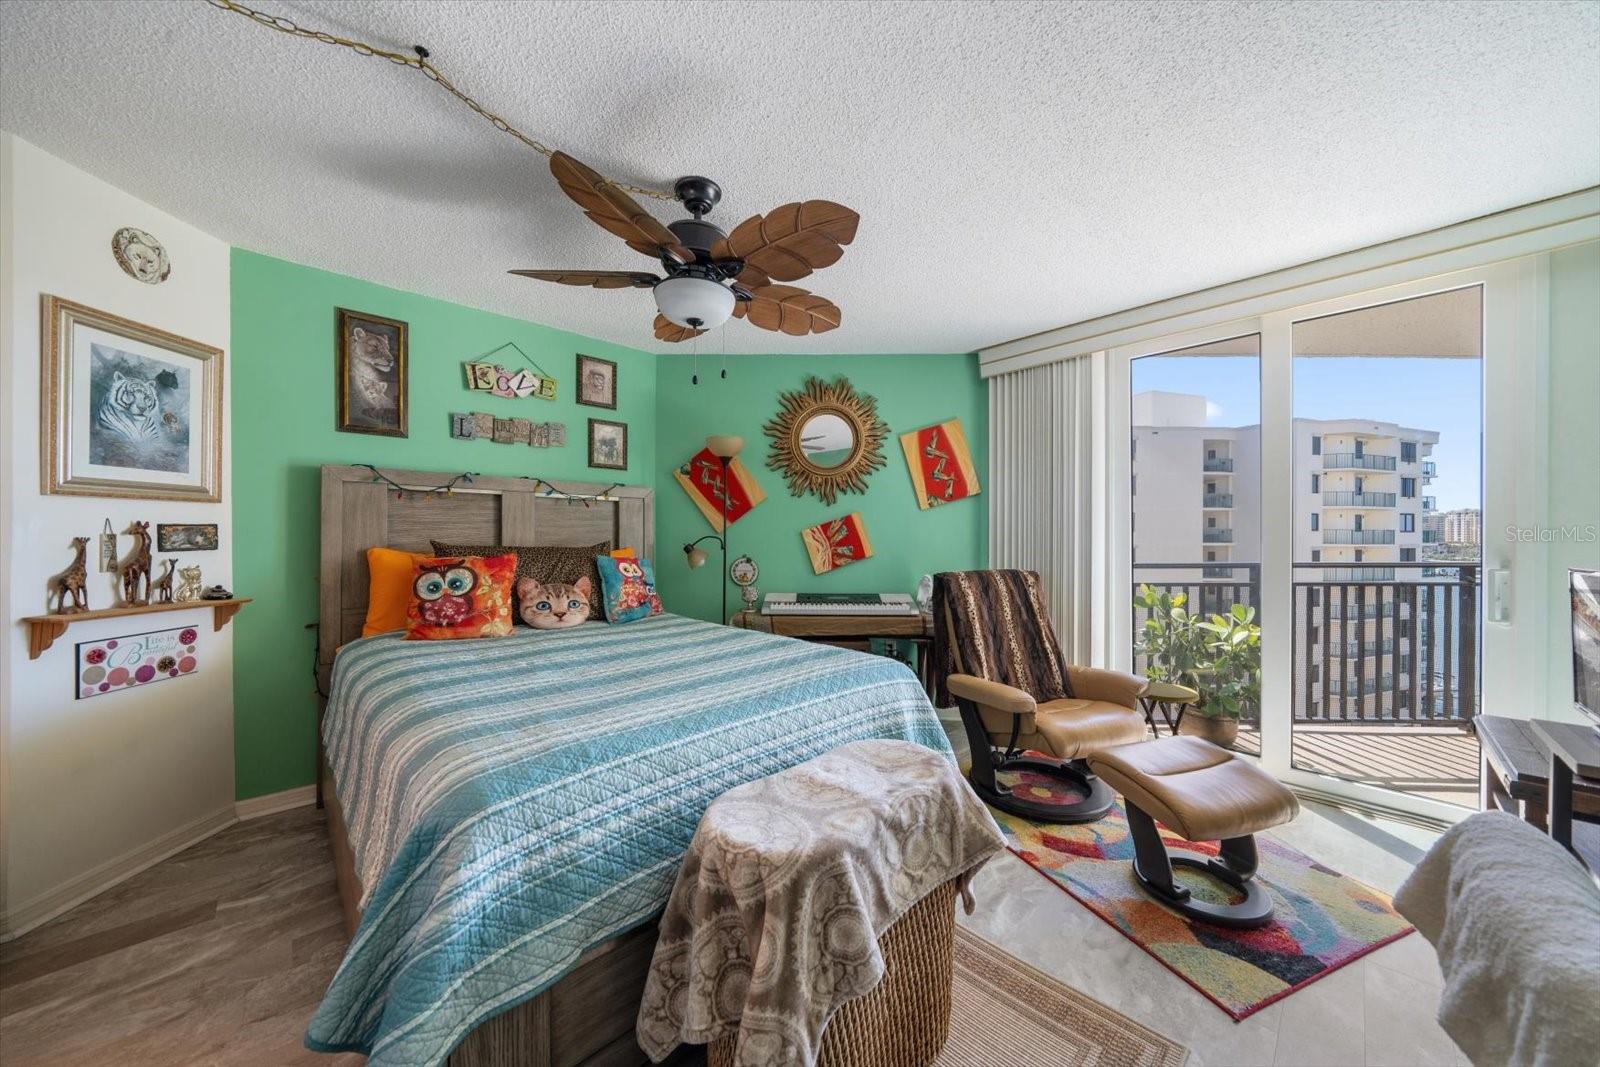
pixel 774 920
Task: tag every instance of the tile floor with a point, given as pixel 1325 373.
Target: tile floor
pixel 1378 1010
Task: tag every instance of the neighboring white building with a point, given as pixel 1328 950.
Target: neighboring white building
pixel 1358 499
pixel 1359 509
pixel 1463 526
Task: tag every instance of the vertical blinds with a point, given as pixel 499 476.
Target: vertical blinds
pixel 1041 475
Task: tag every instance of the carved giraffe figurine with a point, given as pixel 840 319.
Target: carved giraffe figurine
pixel 73 580
pixel 162 586
pixel 138 567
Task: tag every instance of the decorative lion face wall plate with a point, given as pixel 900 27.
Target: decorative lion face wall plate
pixel 140 255
pixel 826 439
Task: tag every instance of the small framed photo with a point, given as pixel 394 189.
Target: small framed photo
pixel 186 536
pixel 597 382
pixel 370 386
pixel 608 444
pixel 127 410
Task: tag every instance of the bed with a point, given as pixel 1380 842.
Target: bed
pixel 507 815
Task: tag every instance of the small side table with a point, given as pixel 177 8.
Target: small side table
pixel 1574 755
pixel 1165 696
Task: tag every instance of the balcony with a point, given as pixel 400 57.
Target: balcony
pixel 1361 686
pixel 1432 537
pixel 1358 574
pixel 1338 498
pixel 1430 470
pixel 1430 503
pixel 1358 537
pixel 1357 650
pixel 1217 537
pixel 1332 461
pixel 1225 500
pixel 1219 465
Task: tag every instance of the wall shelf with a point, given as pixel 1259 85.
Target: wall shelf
pixel 44 629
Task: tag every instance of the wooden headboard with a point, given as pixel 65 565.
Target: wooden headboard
pixel 359 512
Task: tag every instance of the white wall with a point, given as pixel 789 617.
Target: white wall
pixel 1574 428
pixel 92 789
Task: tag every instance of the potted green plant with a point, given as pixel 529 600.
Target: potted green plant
pixel 1219 657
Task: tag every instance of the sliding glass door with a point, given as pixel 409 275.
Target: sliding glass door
pixel 1311 483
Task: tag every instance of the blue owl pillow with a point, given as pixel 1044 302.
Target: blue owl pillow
pixel 628 588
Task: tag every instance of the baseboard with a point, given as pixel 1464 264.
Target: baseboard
pixel 69 894
pixel 300 796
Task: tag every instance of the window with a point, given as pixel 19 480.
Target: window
pixel 1408 555
pixel 1360 522
pixel 1408 487
pixel 1211 556
pixel 1135 481
pixel 1211 522
pixel 1316 444
pixel 1211 453
pixel 1408 522
pixel 1316 521
pixel 1316 483
pixel 1408 451
pixel 1316 555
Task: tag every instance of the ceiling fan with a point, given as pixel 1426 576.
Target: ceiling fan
pixel 711 275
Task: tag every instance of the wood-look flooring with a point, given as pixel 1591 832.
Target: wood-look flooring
pixel 217 956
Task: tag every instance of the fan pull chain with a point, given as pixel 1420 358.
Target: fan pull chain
pixel 695 378
pixel 722 335
pixel 419 61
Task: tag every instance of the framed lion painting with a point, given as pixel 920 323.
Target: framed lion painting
pixel 370 389
pixel 127 410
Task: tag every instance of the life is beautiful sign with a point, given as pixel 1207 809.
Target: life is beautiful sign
pixel 141 659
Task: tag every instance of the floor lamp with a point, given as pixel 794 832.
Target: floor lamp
pixel 724 447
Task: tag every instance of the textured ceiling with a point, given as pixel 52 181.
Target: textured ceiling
pixel 1017 166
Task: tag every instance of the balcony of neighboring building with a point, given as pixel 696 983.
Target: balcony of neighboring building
pixel 1218 500
pixel 1217 535
pixel 1357 537
pixel 1361 461
pixel 1346 498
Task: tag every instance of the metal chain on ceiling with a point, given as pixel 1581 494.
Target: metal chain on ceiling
pixel 418 61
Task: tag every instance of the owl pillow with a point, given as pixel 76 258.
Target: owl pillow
pixel 454 597
pixel 628 587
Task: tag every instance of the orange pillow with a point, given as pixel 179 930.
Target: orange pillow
pixel 388 589
pixel 455 597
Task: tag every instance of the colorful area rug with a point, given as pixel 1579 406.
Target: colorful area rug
pixel 1321 919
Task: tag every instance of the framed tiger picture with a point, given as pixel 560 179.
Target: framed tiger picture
pixel 127 410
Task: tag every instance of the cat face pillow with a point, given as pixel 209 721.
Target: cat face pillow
pixel 553 605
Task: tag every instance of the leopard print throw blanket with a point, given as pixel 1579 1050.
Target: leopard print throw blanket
pixel 994 625
pixel 789 882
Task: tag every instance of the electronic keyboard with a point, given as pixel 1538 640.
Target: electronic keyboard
pixel 838 604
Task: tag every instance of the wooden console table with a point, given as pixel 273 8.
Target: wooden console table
pixel 1516 772
pixel 851 631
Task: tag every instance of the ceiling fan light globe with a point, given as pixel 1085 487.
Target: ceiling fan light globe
pixel 697 303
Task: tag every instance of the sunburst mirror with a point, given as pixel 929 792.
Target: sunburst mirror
pixel 826 439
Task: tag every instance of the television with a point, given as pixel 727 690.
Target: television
pixel 1586 642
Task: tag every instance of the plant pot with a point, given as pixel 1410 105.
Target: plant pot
pixel 1219 730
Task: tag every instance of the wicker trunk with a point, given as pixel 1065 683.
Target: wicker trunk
pixel 904 1021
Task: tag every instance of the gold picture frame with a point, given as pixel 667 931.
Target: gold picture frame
pixel 826 439
pixel 127 410
pixel 371 385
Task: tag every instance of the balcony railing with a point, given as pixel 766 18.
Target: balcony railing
pixel 1418 636
pixel 1430 469
pixel 1358 574
pixel 1358 649
pixel 1432 537
pixel 1218 500
pixel 1219 465
pixel 1216 536
pixel 1339 498
pixel 1353 461
pixel 1430 503
pixel 1358 537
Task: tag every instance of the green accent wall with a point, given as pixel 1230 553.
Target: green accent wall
pixel 282 408
pixel 911 390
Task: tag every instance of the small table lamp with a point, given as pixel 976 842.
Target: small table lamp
pixel 724 447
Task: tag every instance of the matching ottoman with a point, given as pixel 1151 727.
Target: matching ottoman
pixel 1201 793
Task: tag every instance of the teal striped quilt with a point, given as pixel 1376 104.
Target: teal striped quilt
pixel 514 802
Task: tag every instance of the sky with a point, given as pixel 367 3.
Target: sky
pixel 1426 394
